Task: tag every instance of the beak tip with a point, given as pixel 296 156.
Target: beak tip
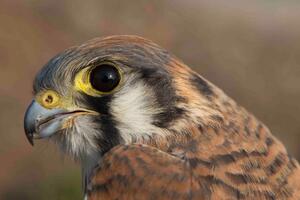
pixel 31 142
pixel 29 137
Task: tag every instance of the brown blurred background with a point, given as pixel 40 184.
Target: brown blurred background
pixel 251 49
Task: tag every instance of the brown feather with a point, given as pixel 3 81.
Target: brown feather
pixel 228 154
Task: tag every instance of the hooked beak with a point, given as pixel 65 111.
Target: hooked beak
pixel 40 122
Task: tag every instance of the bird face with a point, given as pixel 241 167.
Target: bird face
pixel 117 90
pixel 105 92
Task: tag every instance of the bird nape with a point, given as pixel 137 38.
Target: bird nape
pixel 146 126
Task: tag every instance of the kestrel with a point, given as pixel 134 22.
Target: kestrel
pixel 146 126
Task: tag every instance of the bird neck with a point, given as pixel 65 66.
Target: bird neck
pixel 88 164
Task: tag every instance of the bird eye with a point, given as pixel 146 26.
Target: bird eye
pixel 99 79
pixel 104 78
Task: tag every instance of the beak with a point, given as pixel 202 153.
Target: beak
pixel 40 122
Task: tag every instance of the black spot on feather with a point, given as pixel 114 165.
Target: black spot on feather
pixel 203 87
pixel 110 136
pixel 161 83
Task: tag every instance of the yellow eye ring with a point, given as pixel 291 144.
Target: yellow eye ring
pixel 98 80
pixel 48 99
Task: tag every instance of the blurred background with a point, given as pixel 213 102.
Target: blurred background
pixel 251 49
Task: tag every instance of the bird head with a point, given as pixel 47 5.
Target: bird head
pixel 116 90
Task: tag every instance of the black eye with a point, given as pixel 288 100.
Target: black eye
pixel 105 77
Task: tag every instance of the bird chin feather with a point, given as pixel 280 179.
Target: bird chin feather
pixel 79 142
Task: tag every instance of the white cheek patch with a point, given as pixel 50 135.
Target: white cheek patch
pixel 134 109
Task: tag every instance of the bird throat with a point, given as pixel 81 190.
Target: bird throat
pixel 88 164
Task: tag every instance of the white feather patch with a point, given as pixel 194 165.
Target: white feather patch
pixel 134 109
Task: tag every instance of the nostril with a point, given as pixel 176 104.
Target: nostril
pixel 49 99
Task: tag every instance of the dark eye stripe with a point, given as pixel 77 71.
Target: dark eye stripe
pixel 105 78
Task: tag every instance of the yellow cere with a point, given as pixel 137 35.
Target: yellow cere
pixel 48 99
